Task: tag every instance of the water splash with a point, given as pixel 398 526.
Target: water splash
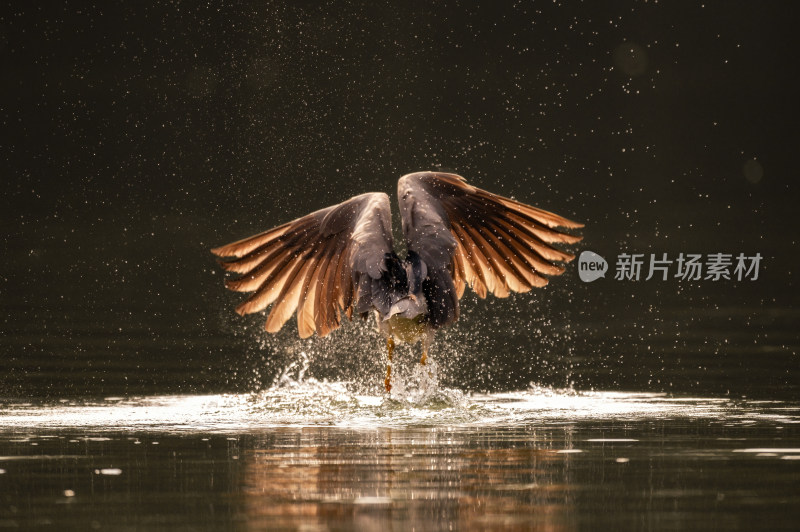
pixel 416 395
pixel 418 399
pixel 417 386
pixel 293 374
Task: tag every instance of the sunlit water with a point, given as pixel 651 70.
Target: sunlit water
pixel 316 403
pixel 416 400
pixel 307 454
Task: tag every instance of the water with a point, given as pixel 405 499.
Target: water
pixel 315 455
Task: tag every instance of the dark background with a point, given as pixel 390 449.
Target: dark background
pixel 134 138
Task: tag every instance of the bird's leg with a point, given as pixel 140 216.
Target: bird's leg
pixel 387 382
pixel 426 343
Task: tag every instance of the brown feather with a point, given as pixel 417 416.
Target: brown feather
pixel 514 278
pixel 326 299
pixel 264 273
pixel 457 185
pixel 476 260
pixel 276 251
pixel 532 242
pixel 331 307
pixel 246 263
pixel 289 297
pixel 471 276
pixel 489 207
pixel 457 272
pixel 244 246
pixel 540 215
pixel 501 242
pixel 307 315
pixel 269 289
pixel 344 280
pixel 492 271
pixel 519 247
pixel 252 260
pixel 543 233
pixel 515 258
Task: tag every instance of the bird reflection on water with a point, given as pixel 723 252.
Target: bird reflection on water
pixel 394 476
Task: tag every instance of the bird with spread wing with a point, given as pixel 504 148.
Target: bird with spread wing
pixel 341 260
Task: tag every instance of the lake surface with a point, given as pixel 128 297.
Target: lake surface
pixel 311 455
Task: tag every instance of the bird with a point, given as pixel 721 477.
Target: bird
pixel 341 260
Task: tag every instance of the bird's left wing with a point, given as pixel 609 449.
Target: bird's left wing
pixel 313 265
pixel 491 243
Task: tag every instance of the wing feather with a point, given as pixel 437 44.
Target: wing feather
pixel 475 258
pixel 529 251
pixel 533 242
pixel 262 272
pixel 517 259
pixel 240 248
pixel 520 279
pixel 268 291
pixel 496 272
pixel 472 272
pixel 248 261
pixel 329 262
pixel 458 273
pixel 308 266
pixel 541 232
pixel 307 315
pixel 333 284
pixel 289 297
pixel 502 245
pixel 326 302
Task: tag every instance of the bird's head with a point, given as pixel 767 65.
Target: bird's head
pixel 409 307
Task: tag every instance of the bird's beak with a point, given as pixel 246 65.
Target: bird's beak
pixel 401 306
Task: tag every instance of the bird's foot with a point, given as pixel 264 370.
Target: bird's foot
pixel 424 359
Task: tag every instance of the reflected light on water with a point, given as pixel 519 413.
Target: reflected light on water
pixel 314 403
pixel 395 476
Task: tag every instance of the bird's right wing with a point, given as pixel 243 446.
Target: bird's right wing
pixel 314 264
pixel 491 243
